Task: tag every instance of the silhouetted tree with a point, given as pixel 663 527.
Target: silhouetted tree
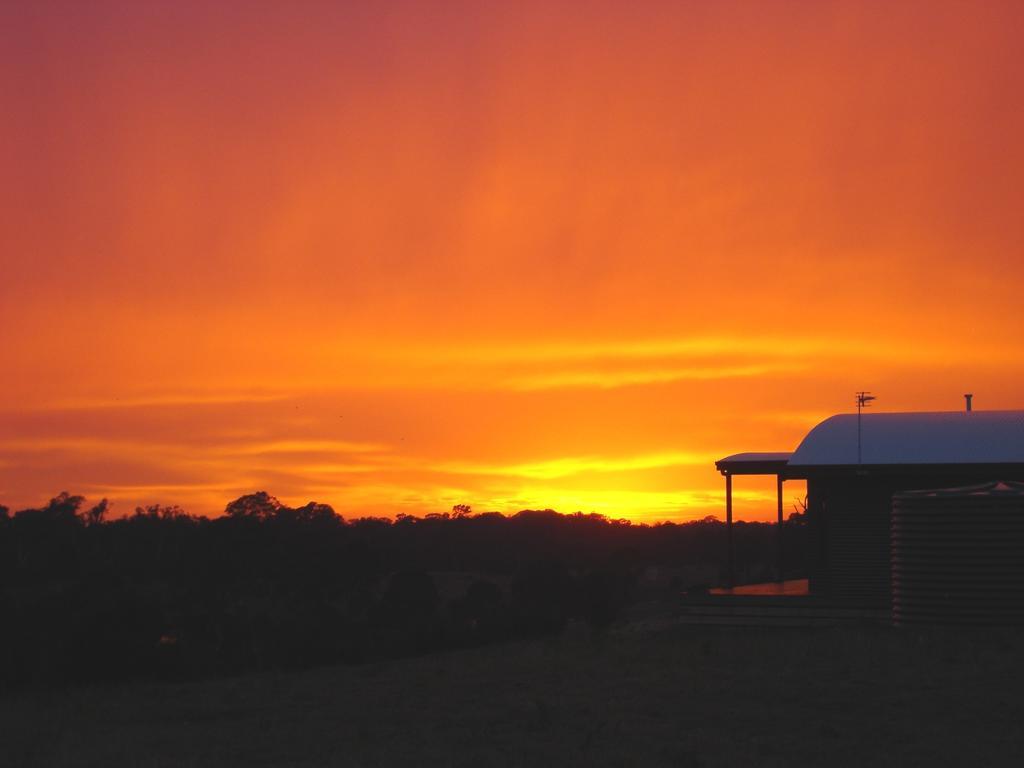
pixel 162 593
pixel 544 594
pixel 407 613
pixel 604 593
pixel 96 514
pixel 481 612
pixel 62 508
pixel 160 512
pixel 799 513
pixel 318 513
pixel 260 505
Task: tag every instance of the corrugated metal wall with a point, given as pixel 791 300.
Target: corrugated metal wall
pixel 849 513
pixel 858 555
pixel 958 556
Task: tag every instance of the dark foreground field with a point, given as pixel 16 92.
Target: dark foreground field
pixel 678 696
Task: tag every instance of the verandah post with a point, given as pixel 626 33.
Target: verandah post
pixel 730 573
pixel 779 529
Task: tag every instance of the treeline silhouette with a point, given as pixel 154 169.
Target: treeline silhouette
pixel 163 594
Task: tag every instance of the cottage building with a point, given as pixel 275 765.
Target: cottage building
pixel 855 463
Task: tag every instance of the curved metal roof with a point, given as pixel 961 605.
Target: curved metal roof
pixel 954 437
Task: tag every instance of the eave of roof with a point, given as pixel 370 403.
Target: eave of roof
pixel 753 463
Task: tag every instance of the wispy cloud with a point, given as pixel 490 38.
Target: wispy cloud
pixel 575 465
pixel 165 399
pixel 610 379
pixel 729 347
pixel 232 448
pixel 341 468
pixel 149 488
pixel 304 446
pixel 606 364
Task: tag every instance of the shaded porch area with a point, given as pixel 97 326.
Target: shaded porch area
pixel 747 464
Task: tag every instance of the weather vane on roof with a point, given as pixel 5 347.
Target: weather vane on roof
pixel 863 400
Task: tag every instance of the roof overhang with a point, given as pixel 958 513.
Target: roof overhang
pixel 753 464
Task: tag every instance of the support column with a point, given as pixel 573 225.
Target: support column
pixel 779 529
pixel 730 574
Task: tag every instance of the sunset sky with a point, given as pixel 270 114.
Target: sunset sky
pixel 399 256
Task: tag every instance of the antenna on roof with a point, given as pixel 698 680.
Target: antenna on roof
pixel 863 400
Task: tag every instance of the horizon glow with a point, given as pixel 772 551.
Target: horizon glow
pixel 395 257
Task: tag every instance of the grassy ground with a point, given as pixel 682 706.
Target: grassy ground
pixel 677 696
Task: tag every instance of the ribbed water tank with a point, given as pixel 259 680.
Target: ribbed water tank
pixel 958 555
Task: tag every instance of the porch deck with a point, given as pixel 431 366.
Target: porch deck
pixel 790 587
pixel 786 603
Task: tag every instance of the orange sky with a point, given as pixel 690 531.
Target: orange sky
pixel 394 257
